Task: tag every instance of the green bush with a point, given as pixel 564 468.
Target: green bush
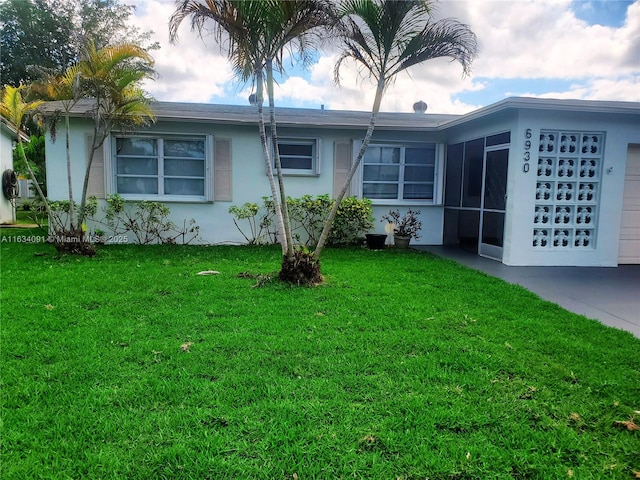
pixel 258 219
pixel 148 221
pixel 354 219
pixel 308 214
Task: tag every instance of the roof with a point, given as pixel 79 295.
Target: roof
pixel 532 103
pixel 307 117
pixel 299 117
pixel 8 127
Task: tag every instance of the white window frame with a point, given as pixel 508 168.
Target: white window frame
pixel 438 166
pixel 314 171
pixel 111 167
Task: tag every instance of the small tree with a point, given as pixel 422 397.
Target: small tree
pixel 111 77
pixel 66 89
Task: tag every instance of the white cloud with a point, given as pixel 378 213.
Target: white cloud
pixel 544 39
pixel 432 82
pixel 540 39
pixel 192 70
pixel 620 89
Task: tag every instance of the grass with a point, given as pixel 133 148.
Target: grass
pixel 402 366
pixel 26 217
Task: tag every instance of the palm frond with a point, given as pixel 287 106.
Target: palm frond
pixel 14 108
pixel 444 38
pixel 386 37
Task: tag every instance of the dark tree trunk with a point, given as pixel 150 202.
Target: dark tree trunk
pixel 73 242
pixel 301 269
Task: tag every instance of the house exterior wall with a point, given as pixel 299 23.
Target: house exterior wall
pixel 249 180
pixel 619 131
pixel 7 212
pixel 599 233
pixel 525 125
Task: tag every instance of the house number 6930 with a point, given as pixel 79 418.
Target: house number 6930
pixel 527 153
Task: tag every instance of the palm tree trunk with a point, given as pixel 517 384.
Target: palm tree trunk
pixel 85 185
pixel 267 159
pixel 354 167
pixel 35 182
pixel 276 152
pixel 72 210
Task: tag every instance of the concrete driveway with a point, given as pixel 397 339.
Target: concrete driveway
pixel 611 295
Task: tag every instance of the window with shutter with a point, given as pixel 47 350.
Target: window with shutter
pixel 161 167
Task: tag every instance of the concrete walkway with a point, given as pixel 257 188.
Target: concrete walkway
pixel 611 295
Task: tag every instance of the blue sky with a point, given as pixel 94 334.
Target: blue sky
pixel 544 48
pixel 610 13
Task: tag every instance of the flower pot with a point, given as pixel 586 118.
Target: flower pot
pixel 376 241
pixel 402 241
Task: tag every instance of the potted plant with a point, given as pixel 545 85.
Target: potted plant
pixel 404 227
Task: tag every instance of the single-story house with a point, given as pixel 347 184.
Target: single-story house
pixel 525 181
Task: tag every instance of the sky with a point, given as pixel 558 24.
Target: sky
pixel 536 48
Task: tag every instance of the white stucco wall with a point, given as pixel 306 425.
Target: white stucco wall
pixel 7 212
pixel 620 131
pixel 249 181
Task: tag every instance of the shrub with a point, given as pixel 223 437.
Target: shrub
pixel 353 220
pixel 406 225
pixel 259 225
pixel 67 236
pixel 308 214
pixel 148 221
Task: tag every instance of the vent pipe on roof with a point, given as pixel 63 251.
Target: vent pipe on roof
pixel 420 107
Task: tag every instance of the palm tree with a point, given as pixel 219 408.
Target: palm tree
pixel 237 26
pixel 66 90
pixel 16 110
pixel 386 37
pixel 255 35
pixel 297 25
pixel 111 77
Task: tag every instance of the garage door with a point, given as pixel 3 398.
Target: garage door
pixel 629 251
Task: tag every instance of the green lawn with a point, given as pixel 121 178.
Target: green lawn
pixel 402 365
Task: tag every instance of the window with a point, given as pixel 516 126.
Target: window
pixel 299 156
pixel 393 172
pixel 168 167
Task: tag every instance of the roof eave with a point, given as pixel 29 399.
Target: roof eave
pixel 13 131
pixel 533 103
pixel 288 123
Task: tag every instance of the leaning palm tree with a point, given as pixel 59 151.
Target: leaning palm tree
pixel 111 77
pixel 255 35
pixel 15 110
pixel 385 38
pixel 297 25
